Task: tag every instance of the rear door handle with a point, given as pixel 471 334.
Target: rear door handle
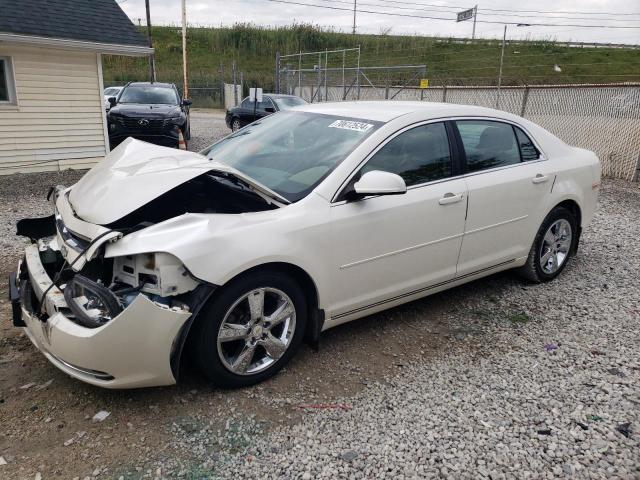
pixel 450 198
pixel 539 178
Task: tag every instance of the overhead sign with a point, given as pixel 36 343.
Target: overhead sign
pixel 465 15
pixel 255 94
pixel 424 83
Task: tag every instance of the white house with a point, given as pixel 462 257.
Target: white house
pixel 51 105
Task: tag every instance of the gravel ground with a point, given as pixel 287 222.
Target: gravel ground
pixel 545 385
pixel 207 126
pixel 495 379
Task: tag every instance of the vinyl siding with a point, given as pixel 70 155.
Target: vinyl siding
pixel 58 122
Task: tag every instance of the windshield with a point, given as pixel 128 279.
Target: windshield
pixel 149 94
pixel 291 152
pixel 285 103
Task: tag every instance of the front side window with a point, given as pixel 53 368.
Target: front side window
pixel 7 88
pixel 149 94
pixel 291 152
pixel 488 144
pixel 418 155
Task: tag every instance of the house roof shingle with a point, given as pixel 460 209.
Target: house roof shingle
pixel 101 21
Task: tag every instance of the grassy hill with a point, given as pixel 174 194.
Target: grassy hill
pixel 449 61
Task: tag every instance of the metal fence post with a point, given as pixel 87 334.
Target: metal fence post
pixel 525 98
pixel 277 76
pixel 300 75
pixel 241 84
pixel 326 63
pixel 235 88
pixel 222 93
pixel 504 40
pixel 344 87
pixel 444 94
pixel 319 92
pixel 358 73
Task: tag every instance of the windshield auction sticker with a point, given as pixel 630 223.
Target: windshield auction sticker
pixel 351 125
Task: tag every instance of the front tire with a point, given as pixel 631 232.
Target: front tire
pixel 552 247
pixel 235 124
pixel 251 329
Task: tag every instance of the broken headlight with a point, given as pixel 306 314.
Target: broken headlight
pixel 92 303
pixel 159 273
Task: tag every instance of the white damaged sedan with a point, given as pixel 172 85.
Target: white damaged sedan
pixel 299 222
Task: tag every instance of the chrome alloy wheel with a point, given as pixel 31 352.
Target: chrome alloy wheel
pixel 256 331
pixel 556 245
pixel 235 125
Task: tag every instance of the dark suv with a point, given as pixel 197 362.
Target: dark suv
pixel 244 114
pixel 152 112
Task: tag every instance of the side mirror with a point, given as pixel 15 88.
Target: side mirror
pixel 186 102
pixel 112 101
pixel 377 182
pixel 270 109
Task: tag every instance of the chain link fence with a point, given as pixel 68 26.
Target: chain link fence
pixel 601 118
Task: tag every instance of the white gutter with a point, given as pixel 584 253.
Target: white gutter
pixel 65 43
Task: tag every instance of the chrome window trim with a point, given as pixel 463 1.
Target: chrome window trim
pixel 542 157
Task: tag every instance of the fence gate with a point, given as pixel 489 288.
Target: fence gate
pixel 335 75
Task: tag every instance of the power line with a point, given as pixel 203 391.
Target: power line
pixel 480 12
pixel 329 7
pixel 458 7
pixel 512 13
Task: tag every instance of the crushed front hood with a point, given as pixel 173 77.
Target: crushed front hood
pixel 135 173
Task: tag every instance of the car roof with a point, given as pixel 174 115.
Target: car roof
pixel 387 110
pixel 276 95
pixel 157 84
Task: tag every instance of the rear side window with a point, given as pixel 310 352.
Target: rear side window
pixel 488 144
pixel 528 150
pixel 418 155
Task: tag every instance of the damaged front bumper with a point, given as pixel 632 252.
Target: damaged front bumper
pixel 131 350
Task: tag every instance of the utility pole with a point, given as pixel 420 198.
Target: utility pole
pixel 475 15
pixel 504 41
pixel 354 16
pixel 152 57
pixel 185 85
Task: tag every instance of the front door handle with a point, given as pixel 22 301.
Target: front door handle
pixel 450 198
pixel 539 178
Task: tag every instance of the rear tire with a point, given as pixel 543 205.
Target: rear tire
pixel 552 247
pixel 236 345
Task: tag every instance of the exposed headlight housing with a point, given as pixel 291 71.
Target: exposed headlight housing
pixel 92 303
pixel 159 273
